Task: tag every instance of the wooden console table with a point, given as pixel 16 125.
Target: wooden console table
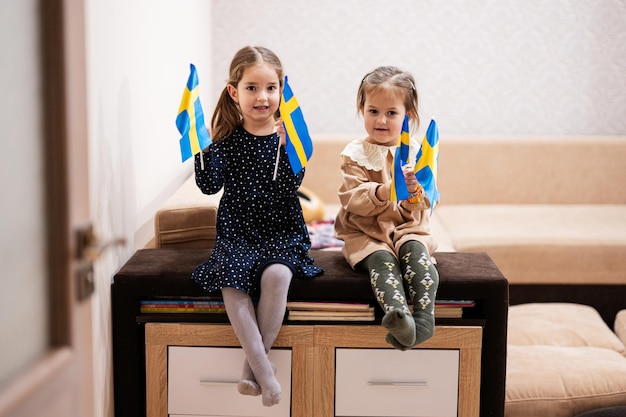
pixel 140 341
pixel 313 350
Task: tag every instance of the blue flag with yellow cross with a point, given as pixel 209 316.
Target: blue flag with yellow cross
pixel 299 144
pixel 427 163
pixel 399 190
pixel 190 119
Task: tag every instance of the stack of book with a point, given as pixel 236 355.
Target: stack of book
pixel 328 311
pixel 451 309
pixel 182 306
pixel 299 310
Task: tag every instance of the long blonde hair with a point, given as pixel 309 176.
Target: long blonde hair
pixel 387 78
pixel 227 115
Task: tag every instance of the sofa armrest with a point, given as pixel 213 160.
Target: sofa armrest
pixel 187 218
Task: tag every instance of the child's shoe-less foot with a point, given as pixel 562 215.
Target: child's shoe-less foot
pixel 248 387
pixel 401 326
pixel 393 342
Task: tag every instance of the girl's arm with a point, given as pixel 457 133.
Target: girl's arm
pixel 209 172
pixel 358 194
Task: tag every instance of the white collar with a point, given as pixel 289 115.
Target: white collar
pixel 372 156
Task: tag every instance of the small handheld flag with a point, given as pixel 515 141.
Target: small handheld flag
pixel 399 191
pixel 427 164
pixel 299 144
pixel 190 119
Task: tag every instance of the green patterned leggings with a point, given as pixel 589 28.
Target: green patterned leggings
pixel 389 276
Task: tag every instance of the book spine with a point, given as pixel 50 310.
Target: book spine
pixel 182 310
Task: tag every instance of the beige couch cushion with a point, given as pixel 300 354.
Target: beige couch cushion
pixel 555 381
pixel 620 325
pixel 562 359
pixel 560 324
pixel 543 243
pixel 323 171
pixel 503 170
pixel 532 170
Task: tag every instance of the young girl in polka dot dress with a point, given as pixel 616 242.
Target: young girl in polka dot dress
pixel 390 241
pixel 262 240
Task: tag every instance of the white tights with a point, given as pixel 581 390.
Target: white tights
pixel 257 332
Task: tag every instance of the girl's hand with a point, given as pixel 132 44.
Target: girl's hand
pixel 280 131
pixel 409 177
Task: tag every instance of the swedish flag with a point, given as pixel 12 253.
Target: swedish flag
pixel 190 119
pixel 299 144
pixel 399 191
pixel 427 164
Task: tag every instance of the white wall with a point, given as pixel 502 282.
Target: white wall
pixel 138 54
pixel 487 67
pixel 490 67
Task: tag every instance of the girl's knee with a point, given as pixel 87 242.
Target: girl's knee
pixel 414 247
pixel 277 269
pixel 276 276
pixel 379 259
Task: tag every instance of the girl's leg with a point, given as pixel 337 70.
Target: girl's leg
pixel 275 281
pixel 242 317
pixel 423 280
pixel 386 281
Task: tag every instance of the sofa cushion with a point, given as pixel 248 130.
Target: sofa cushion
pixel 620 325
pixel 503 169
pixel 532 170
pixel 543 243
pixel 558 381
pixel 560 324
pixel 562 359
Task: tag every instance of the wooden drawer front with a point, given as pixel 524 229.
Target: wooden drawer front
pixel 202 381
pixel 389 382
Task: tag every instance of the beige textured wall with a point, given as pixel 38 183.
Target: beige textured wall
pixel 487 67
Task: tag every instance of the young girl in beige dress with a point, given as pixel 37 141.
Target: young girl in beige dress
pixel 389 240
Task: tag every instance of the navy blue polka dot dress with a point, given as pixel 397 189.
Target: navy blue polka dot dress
pixel 259 220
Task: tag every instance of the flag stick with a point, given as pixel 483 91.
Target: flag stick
pixel 277 159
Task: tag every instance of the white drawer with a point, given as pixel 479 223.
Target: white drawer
pixel 389 382
pixel 202 381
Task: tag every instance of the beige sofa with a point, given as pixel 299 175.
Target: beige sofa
pixel 547 210
pixel 550 212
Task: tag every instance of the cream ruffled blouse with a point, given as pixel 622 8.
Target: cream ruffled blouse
pixel 372 156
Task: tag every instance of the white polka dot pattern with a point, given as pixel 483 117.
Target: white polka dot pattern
pixel 259 220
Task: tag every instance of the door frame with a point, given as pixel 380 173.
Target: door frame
pixel 60 383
